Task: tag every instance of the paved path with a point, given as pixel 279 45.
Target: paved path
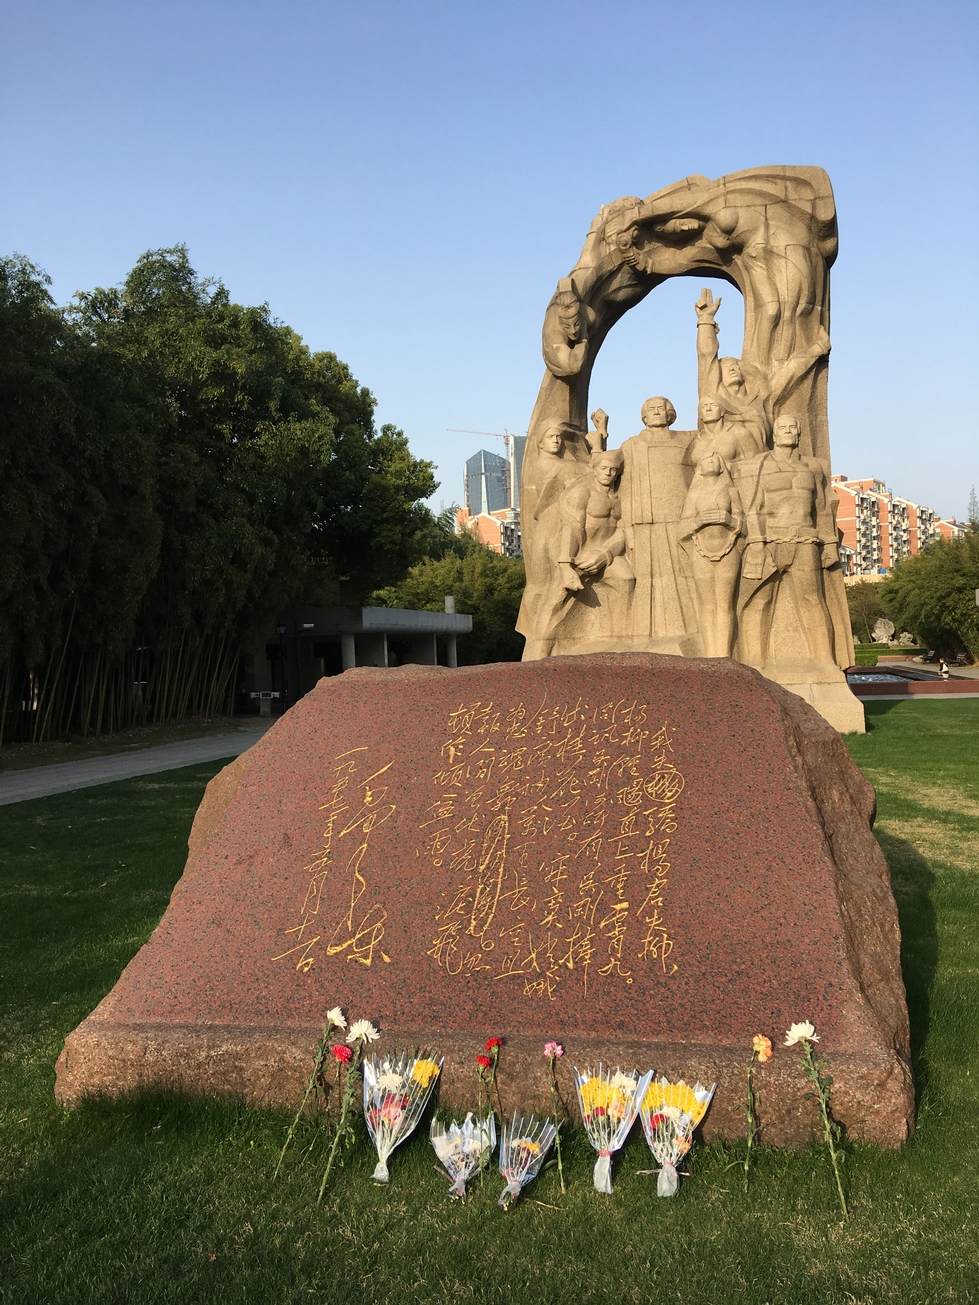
pixel 43 781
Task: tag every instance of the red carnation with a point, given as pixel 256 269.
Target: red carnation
pixel 341 1052
pixel 493 1043
pixel 484 1062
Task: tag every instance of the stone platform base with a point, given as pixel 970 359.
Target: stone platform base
pixel 269 1068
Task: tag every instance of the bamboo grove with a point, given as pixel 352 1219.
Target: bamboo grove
pixel 175 468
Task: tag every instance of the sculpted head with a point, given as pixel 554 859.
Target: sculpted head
pixel 569 311
pixel 787 433
pixel 731 373
pixel 710 410
pixel 551 439
pixel 607 467
pixel 658 412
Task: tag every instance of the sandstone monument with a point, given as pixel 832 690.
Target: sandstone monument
pixel 724 540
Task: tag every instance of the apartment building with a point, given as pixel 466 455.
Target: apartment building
pixel 879 528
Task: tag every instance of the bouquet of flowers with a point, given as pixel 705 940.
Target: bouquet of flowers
pixel 463 1148
pixel 608 1100
pixel 396 1092
pixel 670 1112
pixel 525 1143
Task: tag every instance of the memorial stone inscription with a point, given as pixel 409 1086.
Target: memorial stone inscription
pixel 648 857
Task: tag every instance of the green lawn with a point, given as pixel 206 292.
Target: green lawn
pixel 164 1200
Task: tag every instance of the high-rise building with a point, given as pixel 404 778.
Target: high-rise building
pixel 517 445
pixel 880 528
pixel 487 483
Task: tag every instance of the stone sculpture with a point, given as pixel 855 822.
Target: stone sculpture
pixel 791 539
pixel 772 233
pixel 592 545
pixel 656 474
pixel 711 535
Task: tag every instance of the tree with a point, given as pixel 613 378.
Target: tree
pixel 934 594
pixel 866 605
pixel 484 584
pixel 973 509
pixel 174 467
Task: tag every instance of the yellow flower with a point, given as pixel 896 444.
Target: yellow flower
pixel 527 1145
pixel 762 1047
pixel 595 1094
pixel 673 1099
pixel 423 1071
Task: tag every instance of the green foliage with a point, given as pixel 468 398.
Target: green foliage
pixel 864 657
pixel 934 594
pixel 174 467
pixel 866 606
pixel 484 583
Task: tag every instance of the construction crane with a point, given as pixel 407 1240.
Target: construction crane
pixel 507 436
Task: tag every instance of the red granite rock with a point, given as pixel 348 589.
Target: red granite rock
pixel 650 859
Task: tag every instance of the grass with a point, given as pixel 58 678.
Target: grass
pixel 164 1200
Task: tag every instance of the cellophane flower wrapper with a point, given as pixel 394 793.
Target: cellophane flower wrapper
pixel 463 1148
pixel 609 1100
pixel 396 1092
pixel 670 1113
pixel 524 1145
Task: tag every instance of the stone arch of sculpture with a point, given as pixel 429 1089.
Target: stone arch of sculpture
pixel 772 233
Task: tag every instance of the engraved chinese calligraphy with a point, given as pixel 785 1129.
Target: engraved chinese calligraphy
pixel 604 779
pixel 358 801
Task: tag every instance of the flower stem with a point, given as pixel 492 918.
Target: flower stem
pixel 752 1118
pixel 319 1059
pixel 557 1126
pixel 346 1101
pixel 822 1091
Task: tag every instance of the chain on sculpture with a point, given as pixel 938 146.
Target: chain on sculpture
pixel 714 542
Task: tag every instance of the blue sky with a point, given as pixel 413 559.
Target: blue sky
pixel 405 182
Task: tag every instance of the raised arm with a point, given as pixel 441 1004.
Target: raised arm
pixel 708 367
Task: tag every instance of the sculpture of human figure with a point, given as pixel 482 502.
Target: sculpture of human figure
pixel 784 271
pixel 565 332
pixel 656 475
pixel 750 395
pixel 718 433
pixel 791 541
pixel 592 545
pixel 711 536
pixel 557 466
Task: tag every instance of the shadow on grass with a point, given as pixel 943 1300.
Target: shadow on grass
pixel 913 881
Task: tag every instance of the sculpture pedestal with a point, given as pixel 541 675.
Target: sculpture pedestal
pixel 823 687
pixel 648 858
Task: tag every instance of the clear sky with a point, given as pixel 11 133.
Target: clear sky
pixel 404 182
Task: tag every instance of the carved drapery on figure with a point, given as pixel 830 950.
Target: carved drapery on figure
pixel 703 571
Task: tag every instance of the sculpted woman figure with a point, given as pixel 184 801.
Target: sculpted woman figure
pixel 712 538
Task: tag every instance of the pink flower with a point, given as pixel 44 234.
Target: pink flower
pixel 553 1050
pixel 341 1053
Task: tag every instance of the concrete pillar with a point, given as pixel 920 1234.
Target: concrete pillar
pixel 451 658
pixel 348 651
